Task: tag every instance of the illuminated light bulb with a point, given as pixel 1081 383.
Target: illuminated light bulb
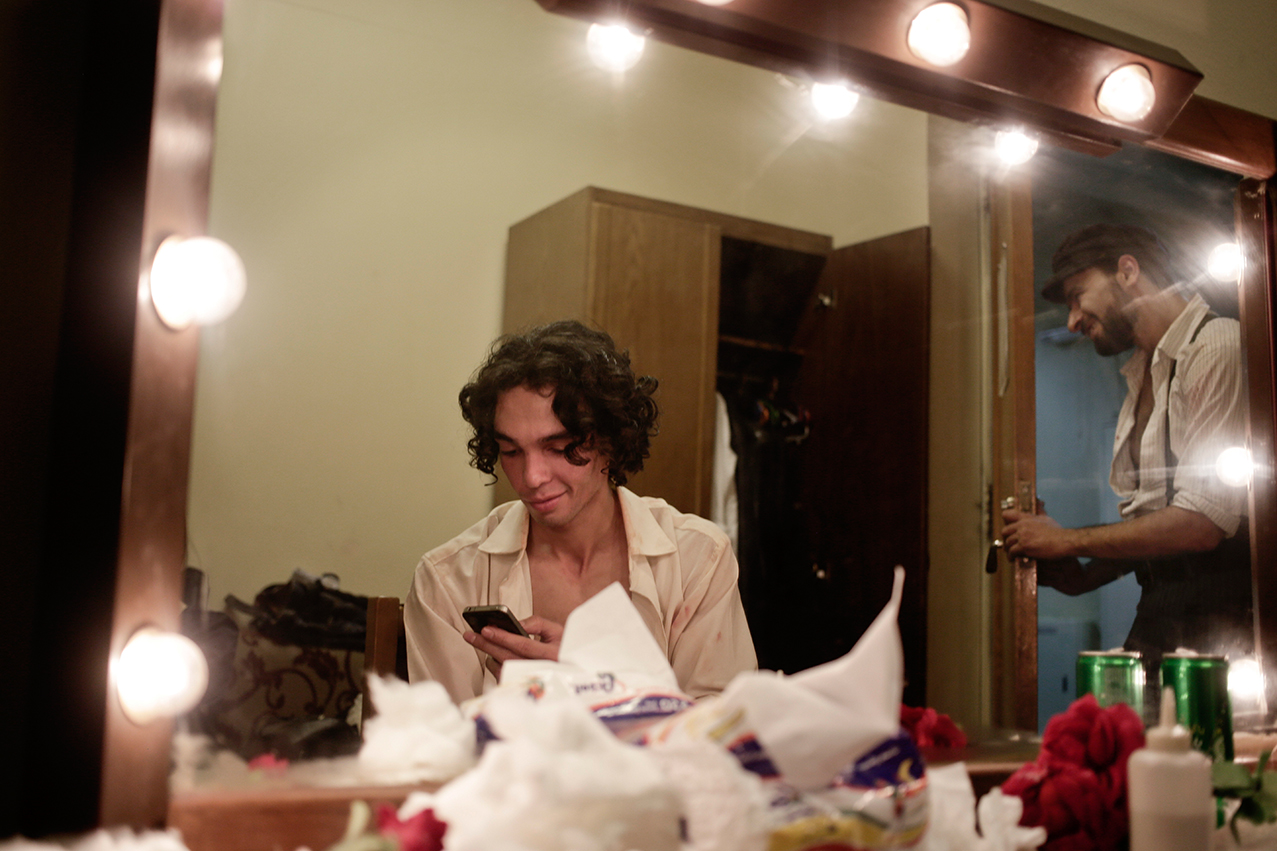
pixel 833 100
pixel 940 34
pixel 1234 466
pixel 613 47
pixel 1245 680
pixel 196 279
pixel 1127 94
pixel 1015 147
pixel 1225 262
pixel 159 675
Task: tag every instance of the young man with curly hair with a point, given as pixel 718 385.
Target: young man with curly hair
pixel 561 411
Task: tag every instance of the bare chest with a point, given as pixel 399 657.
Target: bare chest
pixel 558 587
pixel 1143 411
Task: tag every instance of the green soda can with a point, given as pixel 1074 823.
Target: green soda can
pixel 1201 700
pixel 1113 676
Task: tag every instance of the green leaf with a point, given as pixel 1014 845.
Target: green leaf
pixel 1251 810
pixel 1268 783
pixel 1266 805
pixel 1231 778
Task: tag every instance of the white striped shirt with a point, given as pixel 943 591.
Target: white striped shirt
pixel 1207 415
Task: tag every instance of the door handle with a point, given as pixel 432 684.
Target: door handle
pixel 991 561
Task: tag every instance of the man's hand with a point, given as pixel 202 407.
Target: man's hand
pixel 502 645
pixel 1034 536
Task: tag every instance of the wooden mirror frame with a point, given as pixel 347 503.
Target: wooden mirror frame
pixel 111 524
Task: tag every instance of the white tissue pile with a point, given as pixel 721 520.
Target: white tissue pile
pixel 116 839
pixel 557 779
pixel 667 774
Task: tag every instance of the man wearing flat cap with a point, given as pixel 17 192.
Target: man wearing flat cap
pixel 1183 530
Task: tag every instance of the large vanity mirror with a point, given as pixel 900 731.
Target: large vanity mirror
pixel 369 164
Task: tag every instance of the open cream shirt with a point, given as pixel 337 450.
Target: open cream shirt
pixel 683 576
pixel 1207 414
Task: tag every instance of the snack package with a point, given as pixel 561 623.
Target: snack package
pixel 626 702
pixel 879 802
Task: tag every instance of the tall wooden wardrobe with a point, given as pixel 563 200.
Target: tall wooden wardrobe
pixel 821 357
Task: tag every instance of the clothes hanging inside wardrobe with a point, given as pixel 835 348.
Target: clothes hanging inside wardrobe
pixel 778 587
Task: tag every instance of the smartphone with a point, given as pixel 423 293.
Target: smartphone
pixel 499 616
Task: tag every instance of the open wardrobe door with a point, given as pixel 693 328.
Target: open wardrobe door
pixel 861 488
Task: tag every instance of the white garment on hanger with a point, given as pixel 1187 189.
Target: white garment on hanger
pixel 724 509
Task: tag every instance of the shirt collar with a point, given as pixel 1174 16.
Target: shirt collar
pixel 1173 341
pixel 1181 331
pixel 644 536
pixel 644 539
pixel 511 533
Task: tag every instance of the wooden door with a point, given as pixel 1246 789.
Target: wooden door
pixel 647 273
pixel 864 381
pixel 1014 590
pixel 655 289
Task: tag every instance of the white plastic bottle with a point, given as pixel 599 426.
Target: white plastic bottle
pixel 1172 803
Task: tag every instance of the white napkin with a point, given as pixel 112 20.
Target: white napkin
pixel 603 634
pixel 817 722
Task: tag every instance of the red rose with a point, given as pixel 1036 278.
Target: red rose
pixel 422 832
pixel 1076 788
pixel 930 728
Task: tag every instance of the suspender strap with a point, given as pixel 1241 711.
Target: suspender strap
pixel 1171 461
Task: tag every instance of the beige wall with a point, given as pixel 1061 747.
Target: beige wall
pixel 370 157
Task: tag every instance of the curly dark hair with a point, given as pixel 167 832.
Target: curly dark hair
pixel 597 396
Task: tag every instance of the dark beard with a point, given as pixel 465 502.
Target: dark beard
pixel 1117 331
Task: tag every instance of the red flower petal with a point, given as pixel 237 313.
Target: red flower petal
pixel 422 832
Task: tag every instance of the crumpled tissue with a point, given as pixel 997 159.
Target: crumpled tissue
pixel 953 805
pixel 107 839
pixel 565 783
pixel 726 807
pixel 807 727
pixel 417 735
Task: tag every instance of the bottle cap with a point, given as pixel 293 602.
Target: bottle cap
pixel 1168 736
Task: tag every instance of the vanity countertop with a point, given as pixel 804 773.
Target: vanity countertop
pixel 273 819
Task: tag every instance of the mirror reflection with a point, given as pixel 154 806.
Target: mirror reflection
pixel 1171 429
pixel 369 166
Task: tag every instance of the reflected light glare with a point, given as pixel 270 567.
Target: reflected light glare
pixel 1234 466
pixel 833 100
pixel 940 34
pixel 196 279
pixel 613 47
pixel 1225 262
pixel 159 674
pixel 715 2
pixel 1015 147
pixel 1245 681
pixel 1127 94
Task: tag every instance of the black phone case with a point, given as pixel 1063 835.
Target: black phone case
pixel 499 619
